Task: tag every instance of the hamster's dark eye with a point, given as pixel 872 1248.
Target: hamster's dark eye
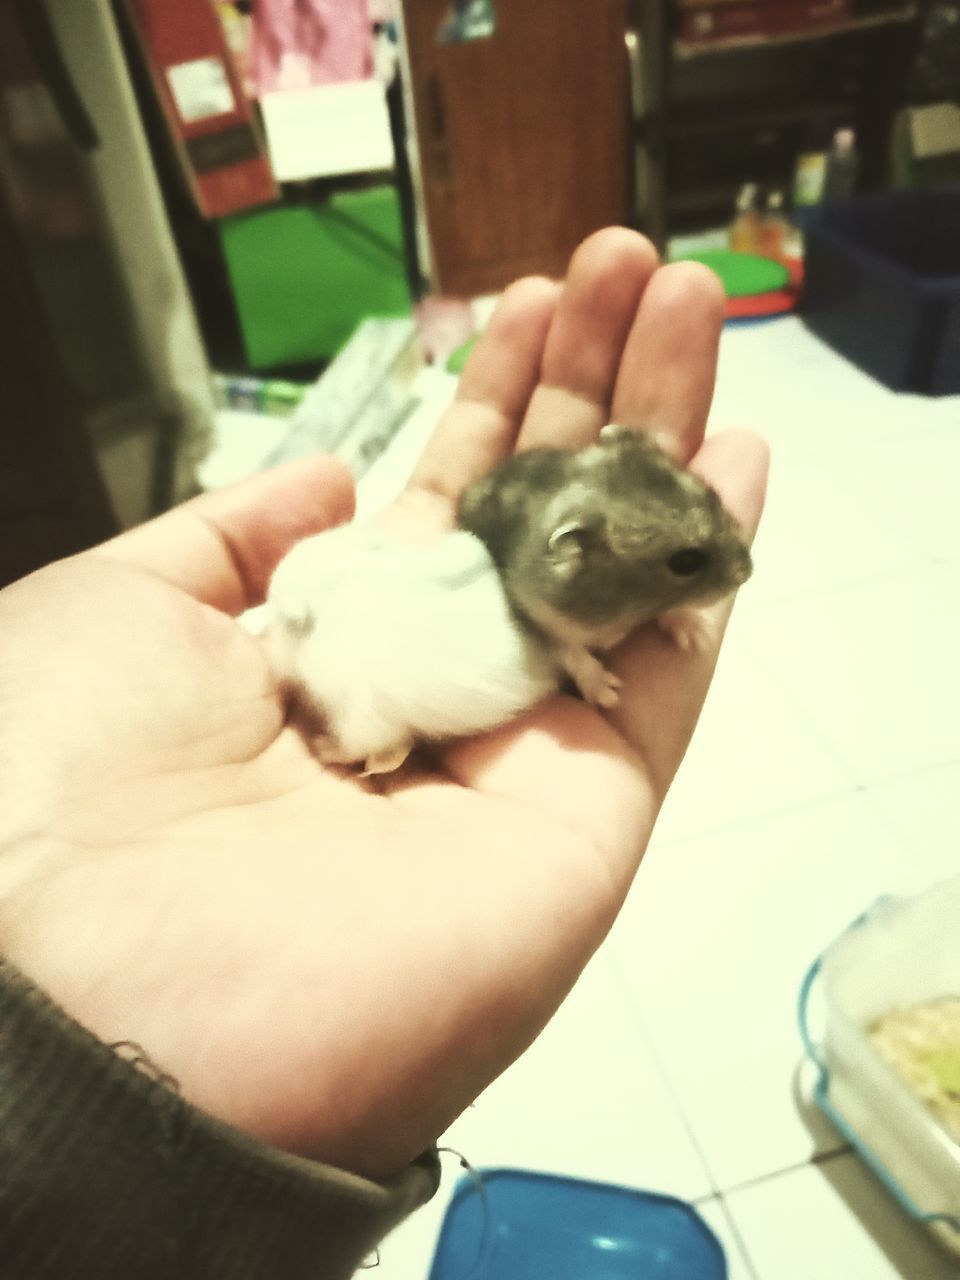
pixel 687 562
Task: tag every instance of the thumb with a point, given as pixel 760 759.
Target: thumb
pixel 222 547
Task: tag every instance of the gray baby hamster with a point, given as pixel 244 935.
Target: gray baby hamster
pixel 559 555
pixel 594 543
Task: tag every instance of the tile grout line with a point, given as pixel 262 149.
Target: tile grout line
pixel 734 825
pixel 832 749
pixel 716 1193
pixel 737 1234
pixel 927 561
pixel 661 1071
pixel 722 1199
pixel 880 813
pixel 853 788
pixel 818 1158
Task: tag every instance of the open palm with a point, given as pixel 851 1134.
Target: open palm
pixel 335 968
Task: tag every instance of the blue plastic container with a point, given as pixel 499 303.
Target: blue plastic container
pixel 882 286
pixel 533 1226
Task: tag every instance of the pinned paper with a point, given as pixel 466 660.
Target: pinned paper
pixel 328 130
pixel 201 89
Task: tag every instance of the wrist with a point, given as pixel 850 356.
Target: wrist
pixel 105 1163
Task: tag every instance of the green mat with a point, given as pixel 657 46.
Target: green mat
pixel 743 274
pixel 304 276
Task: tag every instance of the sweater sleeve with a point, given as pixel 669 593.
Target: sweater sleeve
pixel 107 1174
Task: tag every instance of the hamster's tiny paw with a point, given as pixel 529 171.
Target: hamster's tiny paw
pixel 328 750
pixel 687 628
pixel 388 760
pixel 598 685
pixel 607 694
pixel 291 611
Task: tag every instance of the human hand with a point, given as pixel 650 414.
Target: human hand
pixel 335 969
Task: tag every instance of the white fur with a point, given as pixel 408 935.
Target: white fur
pixel 392 641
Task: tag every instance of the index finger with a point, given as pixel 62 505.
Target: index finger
pixel 606 279
pixel 669 365
pixel 480 428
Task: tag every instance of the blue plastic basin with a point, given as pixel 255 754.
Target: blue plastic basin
pixel 533 1226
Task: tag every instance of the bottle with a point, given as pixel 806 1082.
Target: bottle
pixel 745 228
pixel 771 240
pixel 808 179
pixel 843 162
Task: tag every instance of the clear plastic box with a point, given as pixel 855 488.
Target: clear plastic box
pixel 900 953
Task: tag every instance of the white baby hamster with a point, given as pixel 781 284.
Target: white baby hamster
pixel 391 642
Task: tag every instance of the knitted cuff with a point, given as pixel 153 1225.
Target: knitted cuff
pixel 106 1173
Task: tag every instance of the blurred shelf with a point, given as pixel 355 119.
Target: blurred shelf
pixel 738 117
pixel 685 51
pixel 741 109
pixel 721 194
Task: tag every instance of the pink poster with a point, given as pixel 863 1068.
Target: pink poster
pixel 300 43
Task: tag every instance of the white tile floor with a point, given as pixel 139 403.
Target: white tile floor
pixel 826 772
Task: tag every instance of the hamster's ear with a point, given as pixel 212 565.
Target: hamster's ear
pixel 471 499
pixel 640 437
pixel 613 432
pixel 566 547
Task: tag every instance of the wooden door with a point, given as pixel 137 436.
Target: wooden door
pixel 522 135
